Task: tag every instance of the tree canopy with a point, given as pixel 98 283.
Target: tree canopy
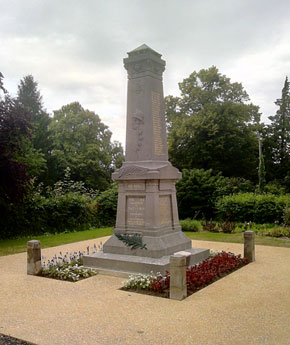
pixel 82 142
pixel 212 126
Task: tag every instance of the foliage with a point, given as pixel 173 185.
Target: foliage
pixel 227 227
pixel 198 191
pixel 197 277
pixel 19 244
pixel 190 225
pixel 14 128
pixel 68 266
pixel 68 206
pixel 232 185
pixel 132 241
pixel 209 226
pixel 278 135
pixel 82 142
pixel 212 126
pixel 28 96
pixel 274 187
pixel 277 231
pixel 211 269
pixel 107 205
pixel 261 170
pixel 286 216
pixel 195 192
pixel 139 281
pixel 260 208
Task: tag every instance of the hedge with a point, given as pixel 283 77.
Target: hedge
pixel 258 208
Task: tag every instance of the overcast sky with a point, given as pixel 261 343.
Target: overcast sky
pixel 75 49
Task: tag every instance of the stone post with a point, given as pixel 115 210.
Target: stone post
pixel 178 288
pixel 33 257
pixel 249 245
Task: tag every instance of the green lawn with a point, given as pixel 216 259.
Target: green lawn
pixel 18 245
pixel 238 238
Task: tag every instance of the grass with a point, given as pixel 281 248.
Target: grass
pixel 238 238
pixel 18 245
pixel 14 246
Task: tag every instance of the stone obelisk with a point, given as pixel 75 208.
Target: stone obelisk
pixel 146 182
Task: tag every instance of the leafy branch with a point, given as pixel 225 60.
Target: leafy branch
pixel 133 241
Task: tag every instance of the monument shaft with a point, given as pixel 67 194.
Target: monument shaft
pixel 147 205
pixel 147 199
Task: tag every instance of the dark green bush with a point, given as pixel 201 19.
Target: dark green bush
pixel 107 206
pixel 259 208
pixel 190 225
pixel 210 226
pixel 195 193
pixel 278 231
pixel 227 227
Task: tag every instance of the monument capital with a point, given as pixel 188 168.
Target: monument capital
pixel 144 61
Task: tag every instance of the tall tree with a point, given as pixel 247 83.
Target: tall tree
pixel 28 95
pixel 211 126
pixel 83 143
pixel 14 128
pixel 279 134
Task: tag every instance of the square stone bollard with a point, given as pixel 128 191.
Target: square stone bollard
pixel 249 245
pixel 34 257
pixel 178 288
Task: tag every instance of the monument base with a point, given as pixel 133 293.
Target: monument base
pixel 115 263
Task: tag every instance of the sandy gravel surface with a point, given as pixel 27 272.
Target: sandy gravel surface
pixel 250 306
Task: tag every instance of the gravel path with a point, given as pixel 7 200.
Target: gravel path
pixel 6 340
pixel 249 306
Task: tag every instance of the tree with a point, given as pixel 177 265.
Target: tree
pixel 82 142
pixel 14 128
pixel 261 171
pixel 211 126
pixel 28 95
pixel 278 136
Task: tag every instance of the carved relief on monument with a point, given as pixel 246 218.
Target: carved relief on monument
pixel 138 127
pixel 135 68
pixel 135 211
pixel 131 170
pixel 157 129
pixel 165 209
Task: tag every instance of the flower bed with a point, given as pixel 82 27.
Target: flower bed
pixel 69 266
pixel 197 277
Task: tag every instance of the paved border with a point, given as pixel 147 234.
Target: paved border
pixel 250 306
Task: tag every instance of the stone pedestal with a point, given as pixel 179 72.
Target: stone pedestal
pixel 146 195
pixel 178 288
pixel 34 257
pixel 249 245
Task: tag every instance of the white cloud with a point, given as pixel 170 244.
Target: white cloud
pixel 74 49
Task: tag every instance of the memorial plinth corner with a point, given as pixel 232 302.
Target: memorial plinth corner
pixel 147 203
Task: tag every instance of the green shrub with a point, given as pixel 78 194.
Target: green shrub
pixel 209 226
pixel 227 227
pixel 107 206
pixel 190 225
pixel 195 193
pixel 259 208
pixel 278 231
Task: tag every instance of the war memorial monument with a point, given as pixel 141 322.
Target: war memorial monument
pixel 147 229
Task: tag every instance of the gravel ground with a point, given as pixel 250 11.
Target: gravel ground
pixel 6 340
pixel 251 306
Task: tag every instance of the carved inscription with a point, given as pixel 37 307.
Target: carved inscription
pixel 135 186
pixel 135 211
pixel 165 209
pixel 157 130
